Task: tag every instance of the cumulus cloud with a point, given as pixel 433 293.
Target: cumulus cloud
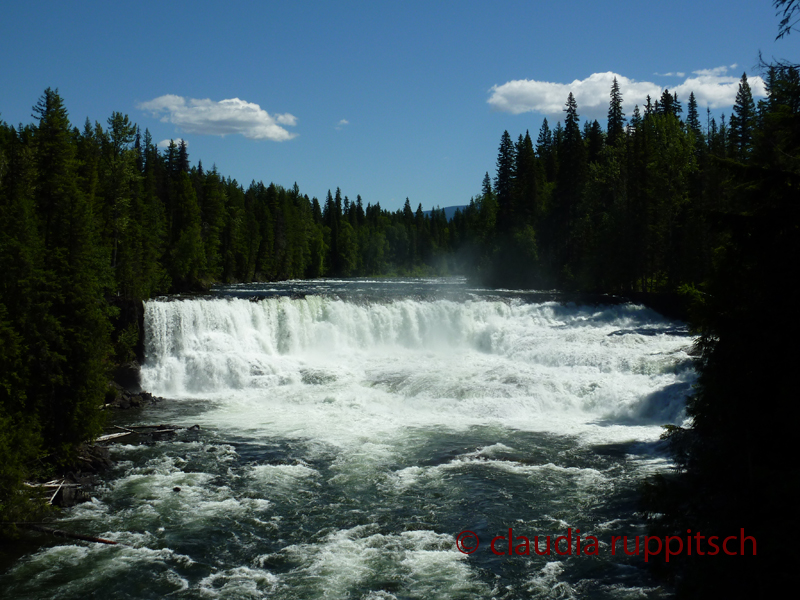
pixel 547 97
pixel 226 117
pixel 342 123
pixel 165 143
pixel 714 88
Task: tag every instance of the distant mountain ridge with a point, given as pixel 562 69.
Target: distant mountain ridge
pixel 449 211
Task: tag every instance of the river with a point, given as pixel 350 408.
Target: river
pixel 351 430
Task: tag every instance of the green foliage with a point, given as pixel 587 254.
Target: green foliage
pixel 736 462
pixel 98 218
pixel 98 215
pixel 616 118
pixel 743 121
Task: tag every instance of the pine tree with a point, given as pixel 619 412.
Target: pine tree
pixel 504 182
pixel 187 256
pixel 595 141
pixel 330 218
pixel 360 216
pixel 119 162
pixel 23 311
pixel 668 105
pixel 569 187
pixel 616 118
pixel 693 119
pixel 545 150
pixel 480 218
pixel 636 119
pixel 528 183
pixel 183 157
pixel 742 121
pixel 73 338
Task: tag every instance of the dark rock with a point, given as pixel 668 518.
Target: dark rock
pixel 127 376
pixel 93 459
pixel 164 434
pixel 121 398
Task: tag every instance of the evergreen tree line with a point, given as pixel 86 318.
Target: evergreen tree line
pixel 95 219
pixel 667 203
pixel 657 202
pixel 623 209
pixel 736 464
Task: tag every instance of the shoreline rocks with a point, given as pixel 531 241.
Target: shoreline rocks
pixel 125 389
pixel 122 399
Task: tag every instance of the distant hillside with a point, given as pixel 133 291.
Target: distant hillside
pixel 449 211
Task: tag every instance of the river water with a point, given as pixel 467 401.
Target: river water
pixel 350 430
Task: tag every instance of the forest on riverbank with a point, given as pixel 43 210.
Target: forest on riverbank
pixel 659 203
pixel 96 219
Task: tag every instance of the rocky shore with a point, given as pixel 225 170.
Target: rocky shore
pixel 75 482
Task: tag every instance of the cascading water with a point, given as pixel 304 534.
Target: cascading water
pixel 346 439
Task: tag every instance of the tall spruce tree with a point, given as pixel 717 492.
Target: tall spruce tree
pixel 504 182
pixel 569 186
pixel 546 152
pixel 528 183
pixel 742 121
pixel 69 352
pixel 616 118
pixel 693 118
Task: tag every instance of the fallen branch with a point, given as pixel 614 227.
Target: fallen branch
pixel 52 484
pixel 53 497
pixel 65 534
pixel 124 429
pixel 113 436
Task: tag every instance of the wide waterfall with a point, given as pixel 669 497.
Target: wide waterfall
pixel 349 435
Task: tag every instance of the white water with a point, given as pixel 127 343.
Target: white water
pixel 346 443
pixel 335 370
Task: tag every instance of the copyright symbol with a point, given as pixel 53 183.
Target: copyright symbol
pixel 465 540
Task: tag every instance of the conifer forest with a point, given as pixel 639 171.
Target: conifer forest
pixel 660 201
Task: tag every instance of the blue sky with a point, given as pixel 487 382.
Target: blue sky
pixel 384 99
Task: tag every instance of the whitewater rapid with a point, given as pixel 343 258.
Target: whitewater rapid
pixel 331 369
pixel 350 430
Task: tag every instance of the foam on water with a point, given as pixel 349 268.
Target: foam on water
pixel 330 369
pixel 345 443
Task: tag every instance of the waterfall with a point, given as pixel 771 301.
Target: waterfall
pixel 452 361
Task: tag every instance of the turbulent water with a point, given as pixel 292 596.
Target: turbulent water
pixel 351 430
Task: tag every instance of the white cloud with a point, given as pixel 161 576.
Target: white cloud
pixel 165 143
pixel 715 72
pixel 226 117
pixel 549 98
pixel 286 119
pixel 716 89
pixel 670 74
pixel 712 87
pixel 342 123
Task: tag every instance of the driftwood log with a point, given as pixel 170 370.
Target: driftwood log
pixel 65 534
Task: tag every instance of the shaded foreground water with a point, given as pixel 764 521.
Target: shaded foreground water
pixel 350 430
